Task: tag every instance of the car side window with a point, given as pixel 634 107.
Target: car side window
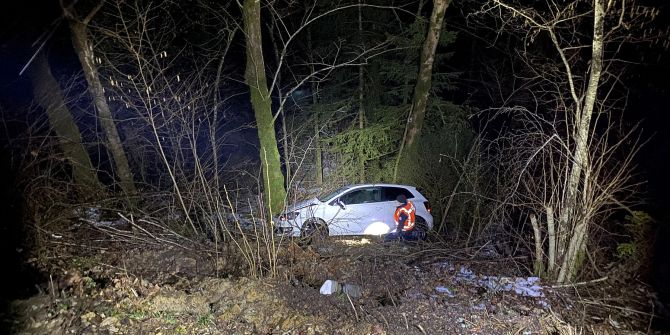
pixel 391 193
pixel 361 196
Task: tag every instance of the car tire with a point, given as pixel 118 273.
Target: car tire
pixel 421 228
pixel 314 232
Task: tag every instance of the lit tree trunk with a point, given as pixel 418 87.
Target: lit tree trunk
pixel 273 180
pixel 49 96
pixel 579 236
pixel 417 111
pixel 538 265
pixel 551 236
pixel 84 49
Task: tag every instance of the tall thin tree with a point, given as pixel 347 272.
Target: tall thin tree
pixel 318 154
pixel 84 50
pixel 417 111
pixel 361 94
pixel 273 180
pixel 50 97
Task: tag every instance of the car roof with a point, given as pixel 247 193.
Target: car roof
pixel 381 184
pixel 417 194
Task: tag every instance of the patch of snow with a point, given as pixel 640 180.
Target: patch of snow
pixel 544 304
pixel 446 290
pixel 479 307
pixel 93 215
pixel 528 287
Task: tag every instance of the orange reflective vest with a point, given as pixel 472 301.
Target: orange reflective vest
pixel 409 210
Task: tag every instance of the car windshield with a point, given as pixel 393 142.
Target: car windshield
pixel 327 196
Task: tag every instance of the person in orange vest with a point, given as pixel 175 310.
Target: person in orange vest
pixel 405 217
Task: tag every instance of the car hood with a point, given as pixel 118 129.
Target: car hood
pixel 302 204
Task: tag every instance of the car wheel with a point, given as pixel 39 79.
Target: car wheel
pixel 315 232
pixel 421 229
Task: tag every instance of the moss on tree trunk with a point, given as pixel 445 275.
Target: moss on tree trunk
pixel 273 180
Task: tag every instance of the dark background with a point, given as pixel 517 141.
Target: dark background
pixel 23 22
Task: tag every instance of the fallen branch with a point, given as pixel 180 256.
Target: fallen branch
pixel 625 309
pixel 581 283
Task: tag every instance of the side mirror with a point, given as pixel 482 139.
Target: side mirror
pixel 341 204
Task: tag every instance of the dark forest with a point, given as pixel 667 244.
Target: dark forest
pixel 335 167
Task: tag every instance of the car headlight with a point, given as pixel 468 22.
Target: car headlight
pixel 289 216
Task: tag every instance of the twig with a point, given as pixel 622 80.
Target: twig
pixel 385 321
pixel 651 318
pixel 391 296
pixel 352 305
pixel 625 309
pixel 51 286
pixel 479 249
pixel 581 283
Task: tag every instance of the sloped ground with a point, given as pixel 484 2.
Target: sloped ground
pixel 406 289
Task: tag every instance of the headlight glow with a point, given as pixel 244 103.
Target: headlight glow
pixel 377 228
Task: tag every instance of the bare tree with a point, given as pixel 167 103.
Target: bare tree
pixel 318 154
pixel 273 184
pixel 417 112
pixel 562 165
pixel 361 93
pixel 85 52
pixel 50 97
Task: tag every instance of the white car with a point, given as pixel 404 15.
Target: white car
pixel 365 209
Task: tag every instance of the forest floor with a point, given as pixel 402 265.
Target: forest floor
pixel 405 289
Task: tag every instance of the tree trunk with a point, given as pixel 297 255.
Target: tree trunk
pixel 213 137
pixel 85 53
pixel 287 162
pixel 286 152
pixel 577 243
pixel 361 103
pixel 538 265
pixel 50 97
pixel 417 111
pixel 551 236
pixel 273 179
pixel 318 162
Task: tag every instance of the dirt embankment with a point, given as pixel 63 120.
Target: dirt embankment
pixel 405 290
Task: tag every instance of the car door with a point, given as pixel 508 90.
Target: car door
pixel 360 209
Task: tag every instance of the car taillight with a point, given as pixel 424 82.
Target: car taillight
pixel 428 208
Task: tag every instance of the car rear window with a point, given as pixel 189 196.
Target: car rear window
pixel 391 193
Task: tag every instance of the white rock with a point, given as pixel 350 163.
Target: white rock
pixel 329 287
